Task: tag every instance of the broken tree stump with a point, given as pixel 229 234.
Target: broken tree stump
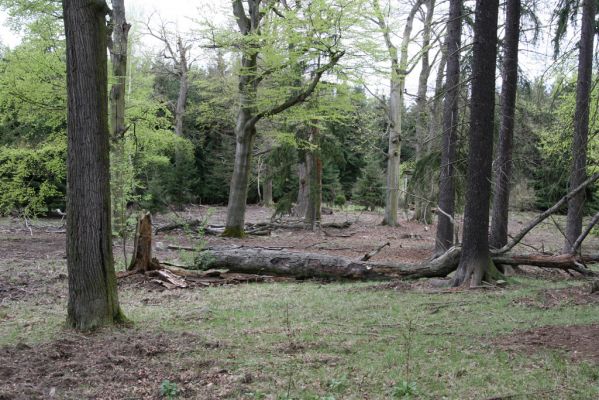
pixel 142 260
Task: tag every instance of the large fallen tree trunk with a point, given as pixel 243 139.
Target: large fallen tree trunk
pixel 311 265
pixel 253 260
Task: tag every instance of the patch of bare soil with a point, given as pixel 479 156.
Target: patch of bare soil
pixel 553 298
pixel 25 247
pixel 578 341
pixel 113 365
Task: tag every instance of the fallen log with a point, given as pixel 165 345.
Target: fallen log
pixel 311 265
pixel 564 262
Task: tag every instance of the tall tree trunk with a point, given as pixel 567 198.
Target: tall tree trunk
pixel 314 163
pixel 239 181
pixel 475 260
pixel 503 164
pixel 423 210
pixel 249 115
pixel 399 71
pixel 425 71
pixel 581 123
pixel 267 188
pixel 93 299
pixel 433 143
pixel 118 47
pixel 445 221
pixel 303 191
pixel 183 72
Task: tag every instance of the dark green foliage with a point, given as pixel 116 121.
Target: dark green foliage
pixel 369 190
pixel 165 168
pixel 33 180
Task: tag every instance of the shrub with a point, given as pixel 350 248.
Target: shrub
pixel 33 180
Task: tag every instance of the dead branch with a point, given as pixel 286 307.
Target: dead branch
pixel 374 252
pixel 541 217
pixel 584 234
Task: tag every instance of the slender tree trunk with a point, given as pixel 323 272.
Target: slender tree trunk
pixel 425 71
pixel 313 213
pixel 393 155
pixel 118 47
pixel 581 123
pixel 183 72
pixel 475 260
pixel 303 192
pixel 445 221
pixel 267 189
pixel 503 164
pixel 93 299
pixel 399 71
pixel 423 209
pixel 433 142
pixel 239 183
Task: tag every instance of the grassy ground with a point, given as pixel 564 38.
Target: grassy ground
pixel 327 341
pixel 299 340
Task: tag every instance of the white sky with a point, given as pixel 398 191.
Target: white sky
pixel 187 15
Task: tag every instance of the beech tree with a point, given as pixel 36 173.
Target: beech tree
pixel 316 34
pixel 93 299
pixel 503 163
pixel 446 206
pixel 581 123
pixel 401 65
pixel 475 260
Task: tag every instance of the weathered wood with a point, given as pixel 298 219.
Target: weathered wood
pixel 374 252
pixel 142 260
pixel 565 262
pixel 311 265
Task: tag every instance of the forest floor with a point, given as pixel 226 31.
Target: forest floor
pixel 285 339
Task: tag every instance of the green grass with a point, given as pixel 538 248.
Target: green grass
pixel 344 341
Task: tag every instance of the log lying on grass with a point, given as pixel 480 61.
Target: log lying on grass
pixel 310 265
pixel 253 260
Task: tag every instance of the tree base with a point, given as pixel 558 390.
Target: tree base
pixel 234 232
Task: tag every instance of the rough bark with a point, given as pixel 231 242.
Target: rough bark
pixel 309 265
pixel 142 260
pixel 445 221
pixel 253 260
pixel 475 260
pixel 503 163
pixel 93 299
pixel 581 123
